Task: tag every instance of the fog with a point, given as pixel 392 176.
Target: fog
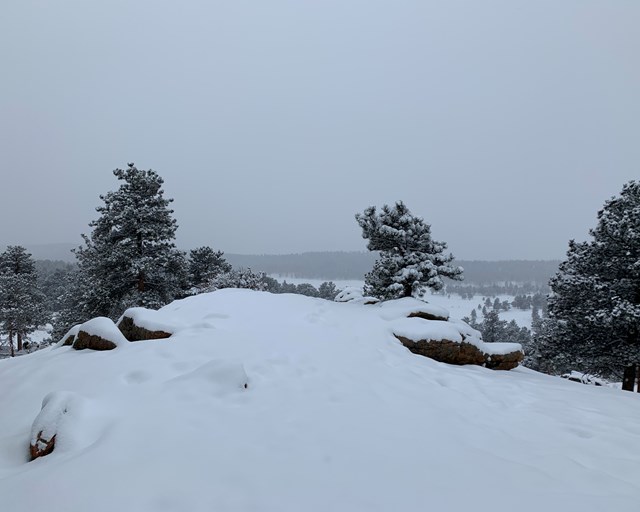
pixel 505 124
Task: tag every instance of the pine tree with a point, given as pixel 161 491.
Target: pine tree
pixel 594 307
pixel 240 278
pixel 204 265
pixel 492 328
pixel 328 290
pixel 410 260
pixel 130 258
pixel 21 301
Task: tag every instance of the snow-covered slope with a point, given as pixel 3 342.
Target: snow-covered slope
pixel 337 415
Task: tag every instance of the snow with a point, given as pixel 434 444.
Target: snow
pixel 500 348
pixel 454 304
pixel 418 329
pixel 337 415
pixel 405 306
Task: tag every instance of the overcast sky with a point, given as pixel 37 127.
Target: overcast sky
pixel 505 124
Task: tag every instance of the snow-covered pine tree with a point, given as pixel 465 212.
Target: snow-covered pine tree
pixel 240 278
pixel 204 265
pixel 410 260
pixel 130 258
pixel 594 307
pixel 328 290
pixel 21 301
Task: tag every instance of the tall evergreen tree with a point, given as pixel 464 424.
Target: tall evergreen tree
pixel 410 260
pixel 21 301
pixel 130 258
pixel 594 307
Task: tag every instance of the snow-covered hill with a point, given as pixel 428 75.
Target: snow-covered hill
pixel 337 415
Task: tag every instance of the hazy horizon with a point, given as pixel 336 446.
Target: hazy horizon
pixel 505 124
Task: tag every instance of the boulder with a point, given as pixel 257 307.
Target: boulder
pixel 454 342
pixel 69 337
pixel 133 332
pixel 445 351
pixel 139 324
pixel 506 361
pixel 44 430
pixel 41 446
pixel 98 334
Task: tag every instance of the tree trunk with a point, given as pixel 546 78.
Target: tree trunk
pixel 19 336
pixel 11 343
pixel 629 378
pixel 140 282
pixel 408 290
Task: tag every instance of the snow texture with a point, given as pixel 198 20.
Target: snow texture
pixel 407 305
pixel 418 329
pixel 337 415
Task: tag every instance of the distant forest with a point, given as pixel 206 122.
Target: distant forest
pixel 354 265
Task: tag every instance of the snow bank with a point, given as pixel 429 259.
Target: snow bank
pixel 409 306
pixel 338 415
pixel 418 329
pixel 500 349
pixel 66 422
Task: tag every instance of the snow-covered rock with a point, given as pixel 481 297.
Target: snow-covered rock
pixel 354 295
pixel 99 333
pixel 426 330
pixel 138 324
pixel 69 337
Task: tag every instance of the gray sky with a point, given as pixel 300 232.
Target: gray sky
pixel 505 124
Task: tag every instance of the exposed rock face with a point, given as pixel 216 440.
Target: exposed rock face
pixel 504 361
pixel 427 316
pixel 445 351
pixel 92 341
pixel 69 340
pixel 99 333
pixel 135 332
pixel 42 446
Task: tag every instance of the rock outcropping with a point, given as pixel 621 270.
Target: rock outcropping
pixel 99 333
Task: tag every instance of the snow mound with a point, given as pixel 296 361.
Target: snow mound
pixel 66 422
pixel 354 295
pixel 338 415
pixel 418 329
pixel 409 307
pixel 216 378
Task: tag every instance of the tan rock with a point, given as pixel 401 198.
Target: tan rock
pixel 134 332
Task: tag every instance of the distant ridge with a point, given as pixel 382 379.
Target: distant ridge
pixel 354 265
pixel 346 265
pixel 53 252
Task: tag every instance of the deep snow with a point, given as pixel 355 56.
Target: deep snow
pixel 337 415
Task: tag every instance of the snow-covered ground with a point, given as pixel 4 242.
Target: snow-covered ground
pixel 457 306
pixel 337 415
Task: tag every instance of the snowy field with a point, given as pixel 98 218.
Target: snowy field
pixel 457 306
pixel 337 416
